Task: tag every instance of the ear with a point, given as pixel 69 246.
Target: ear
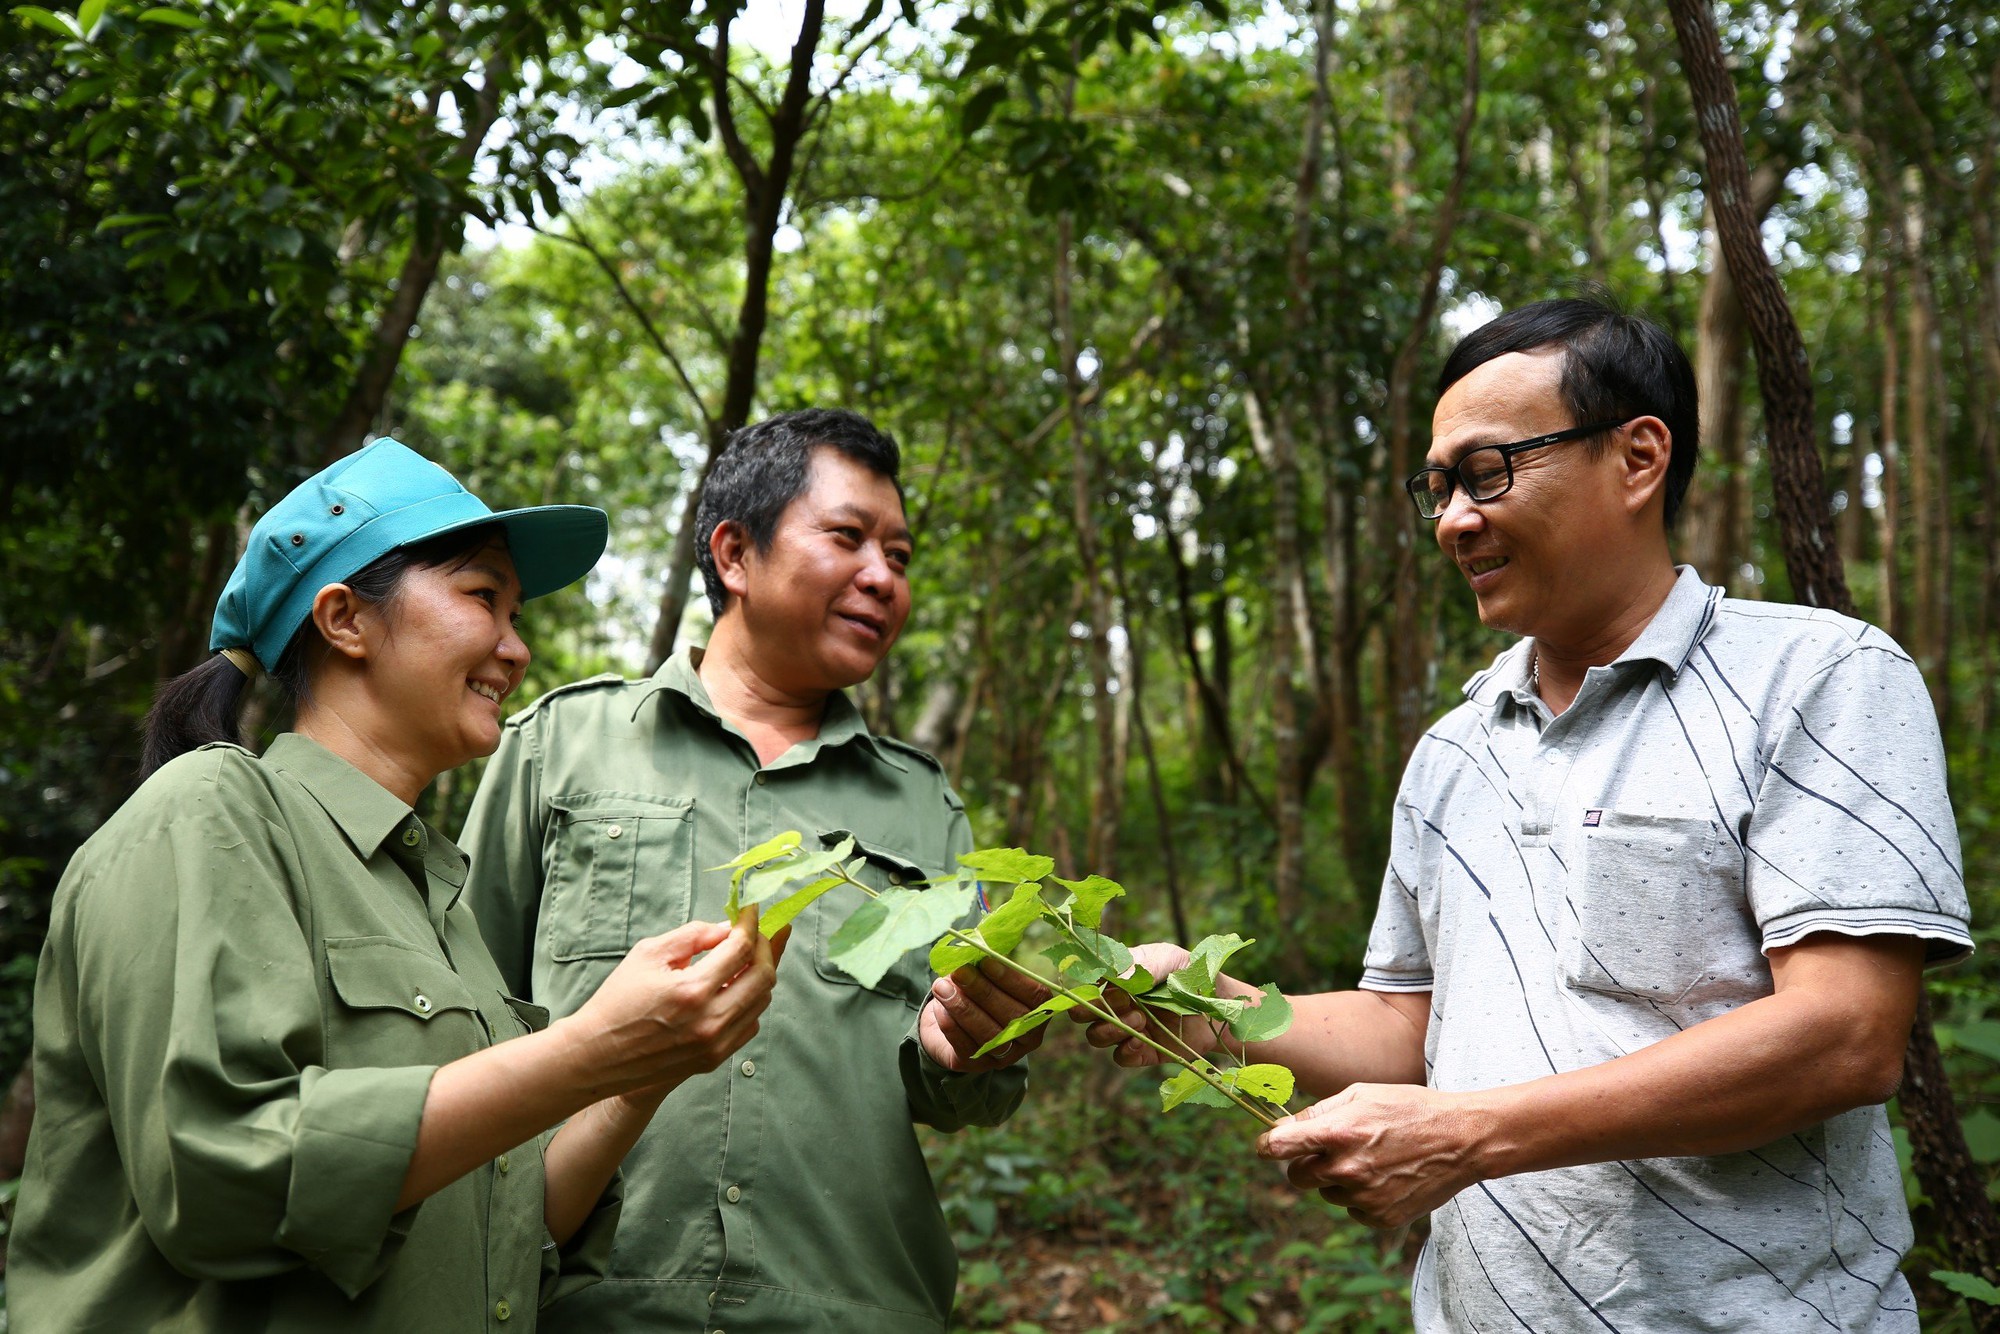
pixel 731 548
pixel 343 620
pixel 1649 448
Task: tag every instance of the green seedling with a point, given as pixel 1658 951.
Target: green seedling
pixel 984 909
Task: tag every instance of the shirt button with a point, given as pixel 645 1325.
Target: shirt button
pixel 760 780
pixel 502 1162
pixel 749 1068
pixel 423 1003
pixel 614 831
pixel 895 877
pixel 501 1310
pixel 411 838
pixel 733 1194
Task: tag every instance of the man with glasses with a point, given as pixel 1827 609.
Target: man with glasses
pixel 1658 901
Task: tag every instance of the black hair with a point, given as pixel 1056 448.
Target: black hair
pixel 765 467
pixel 201 705
pixel 1615 367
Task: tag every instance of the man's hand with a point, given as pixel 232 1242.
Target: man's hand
pixel 1387 1153
pixel 966 1009
pixel 1198 1035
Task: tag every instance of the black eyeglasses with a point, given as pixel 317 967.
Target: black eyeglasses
pixel 1486 473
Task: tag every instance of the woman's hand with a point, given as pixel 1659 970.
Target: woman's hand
pixel 663 1014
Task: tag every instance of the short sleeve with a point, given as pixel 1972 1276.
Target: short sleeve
pixel 1399 956
pixel 502 840
pixel 1852 831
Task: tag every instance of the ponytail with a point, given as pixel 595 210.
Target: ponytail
pixel 193 709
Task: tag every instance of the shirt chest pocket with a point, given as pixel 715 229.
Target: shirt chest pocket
pixel 620 867
pixel 397 1005
pixel 882 868
pixel 1642 896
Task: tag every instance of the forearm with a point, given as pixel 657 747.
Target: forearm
pixel 1338 1038
pixel 482 1105
pixel 1731 1083
pixel 586 1152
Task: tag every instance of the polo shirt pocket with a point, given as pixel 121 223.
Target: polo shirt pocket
pixel 398 1005
pixel 607 848
pixel 1639 898
pixel 882 868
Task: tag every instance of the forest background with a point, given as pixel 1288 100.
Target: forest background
pixel 1153 295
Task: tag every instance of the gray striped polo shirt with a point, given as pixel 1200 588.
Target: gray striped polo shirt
pixel 1574 888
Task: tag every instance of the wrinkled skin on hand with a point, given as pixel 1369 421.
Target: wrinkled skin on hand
pixel 1387 1153
pixel 969 1007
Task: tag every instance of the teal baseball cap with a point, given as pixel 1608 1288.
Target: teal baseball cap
pixel 343 518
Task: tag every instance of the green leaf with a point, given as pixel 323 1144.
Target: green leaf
pixel 60 24
pixel 1008 865
pixel 1187 1086
pixel 1268 1083
pixel 1205 962
pixel 1003 928
pixel 779 915
pixel 1091 894
pixel 1099 956
pixel 1968 1285
pixel 1982 1036
pixel 1135 983
pixel 979 108
pixel 884 928
pixel 1265 1020
pixel 763 852
pixel 949 955
pixel 1041 1014
pixel 129 220
pixel 771 880
pixel 1982 1135
pixel 176 18
pixel 88 15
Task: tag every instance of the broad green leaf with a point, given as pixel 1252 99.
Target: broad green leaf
pixel 1176 996
pixel 779 915
pixel 61 24
pixel 1205 962
pixel 1041 1014
pixel 1135 983
pixel 1009 865
pixel 884 928
pixel 1102 952
pixel 177 18
pixel 767 882
pixel 1003 928
pixel 1272 1083
pixel 1982 1036
pixel 1265 1020
pixel 1091 894
pixel 949 955
pixel 1982 1135
pixel 1187 1086
pixel 763 852
pixel 979 108
pixel 88 15
pixel 1968 1285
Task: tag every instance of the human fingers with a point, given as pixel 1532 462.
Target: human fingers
pixel 778 943
pixel 730 955
pixel 1304 1132
pixel 1015 983
pixel 981 989
pixel 968 1016
pixel 682 943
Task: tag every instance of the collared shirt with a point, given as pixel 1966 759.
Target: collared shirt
pixel 252 972
pixel 1573 888
pixel 786 1190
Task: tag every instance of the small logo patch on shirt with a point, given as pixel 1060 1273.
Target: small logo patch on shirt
pixel 1592 819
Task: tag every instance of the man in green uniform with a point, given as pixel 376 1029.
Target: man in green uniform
pixel 786 1191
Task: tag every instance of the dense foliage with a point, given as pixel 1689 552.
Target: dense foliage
pixel 1152 296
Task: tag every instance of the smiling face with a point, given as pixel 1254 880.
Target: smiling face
pixel 444 656
pixel 824 603
pixel 1539 557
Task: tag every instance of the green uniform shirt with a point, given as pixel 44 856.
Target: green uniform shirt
pixel 252 971
pixel 786 1190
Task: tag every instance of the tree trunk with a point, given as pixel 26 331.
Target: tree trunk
pixel 1942 1162
pixel 1718 499
pixel 766 186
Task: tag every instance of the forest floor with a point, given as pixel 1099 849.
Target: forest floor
pixel 1092 1212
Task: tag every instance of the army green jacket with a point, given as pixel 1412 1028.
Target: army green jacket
pixel 252 972
pixel 785 1191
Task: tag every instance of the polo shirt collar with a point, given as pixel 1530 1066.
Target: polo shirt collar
pixel 1668 639
pixel 840 724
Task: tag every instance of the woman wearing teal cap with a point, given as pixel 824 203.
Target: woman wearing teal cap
pixel 280 1086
